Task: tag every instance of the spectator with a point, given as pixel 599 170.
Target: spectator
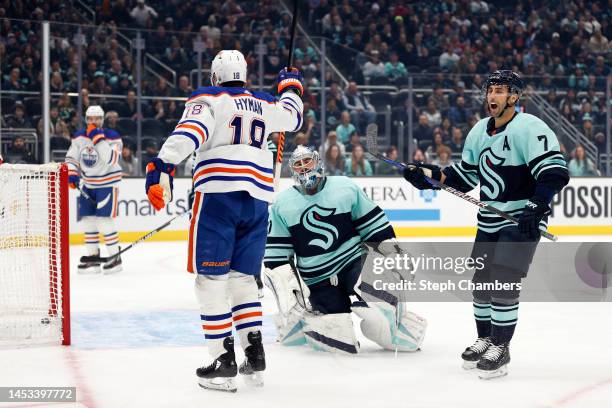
pixel 361 110
pixel 386 169
pixel 183 89
pixel 436 143
pixel 578 80
pixel 456 143
pixel 357 165
pixel 65 107
pixel 333 112
pixel 112 118
pixel 580 165
pixel 57 126
pixel 587 126
pixel 331 139
pixel 598 43
pixel 434 117
pixel 395 69
pixel 99 84
pixel 445 129
pixel 19 119
pixel 300 139
pixel 448 59
pixel 419 157
pixel 439 98
pixel 14 81
pixel 345 128
pixel 143 14
pixel 128 163
pixel 459 114
pixel 334 161
pixel 57 83
pixel 423 131
pixel 443 157
pixel 18 153
pixel 149 154
pixel 374 68
pixel 354 141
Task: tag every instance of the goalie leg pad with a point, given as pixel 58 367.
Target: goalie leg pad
pixel 391 328
pixel 213 296
pixel 331 332
pixel 246 307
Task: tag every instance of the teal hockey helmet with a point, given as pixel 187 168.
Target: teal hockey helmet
pixel 306 167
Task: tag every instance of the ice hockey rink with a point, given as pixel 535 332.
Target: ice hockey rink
pixel 137 341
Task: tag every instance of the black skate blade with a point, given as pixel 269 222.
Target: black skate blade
pixel 489 375
pixel 223 384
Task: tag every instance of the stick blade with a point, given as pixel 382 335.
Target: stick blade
pixel 371 137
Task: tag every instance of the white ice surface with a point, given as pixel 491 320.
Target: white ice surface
pixel 137 343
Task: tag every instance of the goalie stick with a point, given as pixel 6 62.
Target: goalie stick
pixel 371 136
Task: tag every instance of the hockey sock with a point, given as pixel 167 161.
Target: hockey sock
pixel 215 314
pixel 482 314
pixel 111 238
pixel 92 240
pixel 246 307
pixel 504 315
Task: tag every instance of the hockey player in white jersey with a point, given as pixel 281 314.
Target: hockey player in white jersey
pixel 227 125
pixel 93 157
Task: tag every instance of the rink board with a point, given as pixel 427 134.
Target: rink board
pixel 583 208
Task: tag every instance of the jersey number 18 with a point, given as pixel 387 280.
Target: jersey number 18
pixel 256 132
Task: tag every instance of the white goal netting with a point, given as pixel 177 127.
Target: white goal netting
pixel 33 245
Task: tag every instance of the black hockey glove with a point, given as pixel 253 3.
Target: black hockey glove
pixel 415 174
pixel 529 220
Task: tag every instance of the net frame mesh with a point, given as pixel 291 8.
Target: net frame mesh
pixel 33 272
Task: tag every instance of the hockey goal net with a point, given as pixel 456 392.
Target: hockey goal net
pixel 34 273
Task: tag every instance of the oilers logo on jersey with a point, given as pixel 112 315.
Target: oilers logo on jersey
pixel 89 157
pixel 313 221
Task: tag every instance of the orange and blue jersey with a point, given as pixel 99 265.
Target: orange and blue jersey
pixel 94 156
pixel 228 129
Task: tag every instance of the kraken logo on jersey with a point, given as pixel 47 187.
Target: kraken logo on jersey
pixel 491 183
pixel 89 157
pixel 312 220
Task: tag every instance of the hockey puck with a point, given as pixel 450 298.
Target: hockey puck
pixel 45 320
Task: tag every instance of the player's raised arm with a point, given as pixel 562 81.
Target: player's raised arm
pixel 289 111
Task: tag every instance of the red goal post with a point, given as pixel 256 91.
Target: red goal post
pixel 34 255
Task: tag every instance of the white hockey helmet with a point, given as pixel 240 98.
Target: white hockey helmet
pixel 94 111
pixel 228 65
pixel 306 167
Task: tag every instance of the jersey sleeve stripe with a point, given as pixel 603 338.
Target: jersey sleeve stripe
pixel 297 112
pixel 464 176
pixel 189 135
pixel 198 123
pixel 198 130
pixel 209 170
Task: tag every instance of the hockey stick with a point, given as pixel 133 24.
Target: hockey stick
pixel 144 237
pixel 281 137
pixel 371 136
pixel 87 196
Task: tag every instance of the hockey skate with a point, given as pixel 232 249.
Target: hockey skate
pixel 494 362
pixel 255 363
pixel 112 266
pixel 219 375
pixel 472 354
pixel 89 264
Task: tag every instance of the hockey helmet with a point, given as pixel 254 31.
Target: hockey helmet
pixel 94 111
pixel 504 77
pixel 306 167
pixel 228 65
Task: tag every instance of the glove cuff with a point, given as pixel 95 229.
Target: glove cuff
pixel 290 83
pixel 543 194
pixel 160 165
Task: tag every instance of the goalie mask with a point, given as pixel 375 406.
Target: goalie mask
pixel 306 167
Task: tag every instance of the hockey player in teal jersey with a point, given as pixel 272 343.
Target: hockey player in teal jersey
pixel 516 159
pixel 324 222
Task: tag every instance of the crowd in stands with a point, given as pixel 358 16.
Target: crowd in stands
pixel 446 46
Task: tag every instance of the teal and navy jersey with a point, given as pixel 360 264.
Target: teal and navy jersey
pixel 508 162
pixel 326 230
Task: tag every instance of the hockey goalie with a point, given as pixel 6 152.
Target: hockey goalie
pixel 324 223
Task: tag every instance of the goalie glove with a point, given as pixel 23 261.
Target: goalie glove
pixel 159 183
